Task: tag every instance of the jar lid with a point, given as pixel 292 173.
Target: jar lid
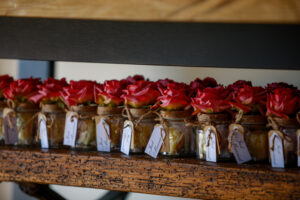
pixel 216 117
pixel 27 107
pixel 175 114
pixel 138 112
pixel 109 110
pixel 51 108
pixel 253 119
pixel 84 109
pixel 292 122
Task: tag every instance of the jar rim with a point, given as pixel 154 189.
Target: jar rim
pixel 52 108
pixel 84 109
pixel 103 110
pixel 175 114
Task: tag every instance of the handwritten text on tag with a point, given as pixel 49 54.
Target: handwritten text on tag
pixel 211 145
pixel 276 149
pixel 155 141
pixel 70 129
pixel 43 132
pixel 103 135
pixel 239 148
pixel 126 137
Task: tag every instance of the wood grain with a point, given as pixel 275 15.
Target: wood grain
pixel 174 177
pixel 253 11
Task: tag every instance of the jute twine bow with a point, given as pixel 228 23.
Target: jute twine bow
pixel 130 117
pixel 239 116
pixel 272 123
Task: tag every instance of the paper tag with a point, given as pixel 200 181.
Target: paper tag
pixel 298 147
pixel 103 135
pixel 276 148
pixel 10 126
pixel 128 128
pixel 238 145
pixel 43 131
pixel 211 143
pixel 155 141
pixel 70 129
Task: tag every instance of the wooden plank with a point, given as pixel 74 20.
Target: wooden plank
pixel 242 11
pixel 271 46
pixel 137 173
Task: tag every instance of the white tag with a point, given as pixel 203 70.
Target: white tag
pixel 70 129
pixel 239 148
pixel 103 134
pixel 298 147
pixel 155 141
pixel 126 137
pixel 211 145
pixel 43 132
pixel 277 156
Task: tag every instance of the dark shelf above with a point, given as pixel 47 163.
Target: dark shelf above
pixel 186 177
pixel 269 46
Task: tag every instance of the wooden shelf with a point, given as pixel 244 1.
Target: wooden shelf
pixel 238 11
pixel 138 173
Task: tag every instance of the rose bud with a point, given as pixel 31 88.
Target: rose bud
pixel 140 94
pixel 109 94
pixel 211 100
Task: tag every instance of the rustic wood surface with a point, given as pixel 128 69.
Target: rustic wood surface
pixel 257 11
pixel 174 177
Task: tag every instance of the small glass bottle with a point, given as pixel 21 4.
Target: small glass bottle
pixel 221 123
pixel 144 125
pixel 26 123
pixel 256 136
pixel 113 116
pixel 2 106
pixel 289 129
pixel 86 131
pixel 179 138
pixel 55 124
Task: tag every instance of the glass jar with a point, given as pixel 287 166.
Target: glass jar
pixel 144 125
pixel 2 106
pixel 113 116
pixel 221 123
pixel 256 136
pixel 289 129
pixel 55 124
pixel 26 123
pixel 86 129
pixel 179 138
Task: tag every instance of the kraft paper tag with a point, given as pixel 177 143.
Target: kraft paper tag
pixel 128 129
pixel 43 131
pixel 238 145
pixel 298 146
pixel 156 140
pixel 211 143
pixel 103 135
pixel 70 128
pixel 10 126
pixel 276 148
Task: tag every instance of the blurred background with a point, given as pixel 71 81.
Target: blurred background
pixel 101 72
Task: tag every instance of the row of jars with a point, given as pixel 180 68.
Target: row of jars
pixel 183 138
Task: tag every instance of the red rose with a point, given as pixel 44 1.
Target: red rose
pixel 282 102
pixel 21 90
pixel 199 84
pixel 49 91
pixel 79 92
pixel 211 100
pixel 248 98
pixel 5 81
pixel 133 79
pixel 140 94
pixel 272 86
pixel 109 94
pixel 239 84
pixel 174 97
pixel 162 83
